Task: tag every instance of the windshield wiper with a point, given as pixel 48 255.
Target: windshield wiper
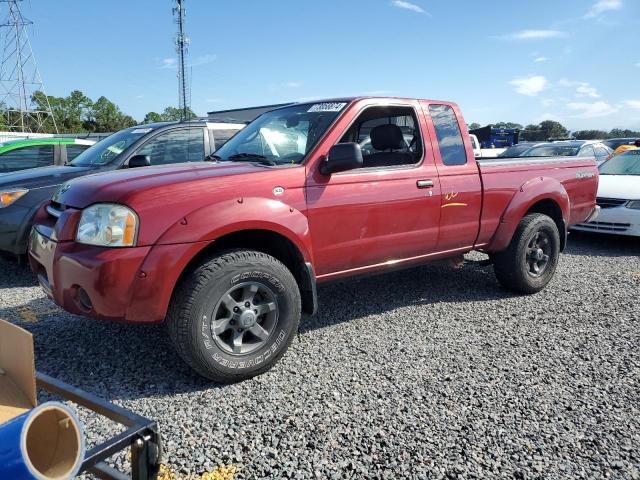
pixel 252 157
pixel 212 157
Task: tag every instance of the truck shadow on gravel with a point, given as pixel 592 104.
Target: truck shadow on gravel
pixel 15 274
pixel 128 362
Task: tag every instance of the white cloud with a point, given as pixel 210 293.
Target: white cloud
pixel 169 62
pixel 582 89
pixel 602 6
pixel 292 85
pixel 633 104
pixel 409 6
pixel 638 64
pixel 592 110
pixel 534 35
pixel 540 59
pixel 530 86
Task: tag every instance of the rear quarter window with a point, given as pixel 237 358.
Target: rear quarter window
pixel 220 137
pixel 450 142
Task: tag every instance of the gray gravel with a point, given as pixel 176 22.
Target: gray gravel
pixel 429 373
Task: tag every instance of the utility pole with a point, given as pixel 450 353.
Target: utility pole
pixel 20 79
pixel 182 44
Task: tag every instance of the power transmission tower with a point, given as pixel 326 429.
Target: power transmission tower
pixel 20 79
pixel 182 47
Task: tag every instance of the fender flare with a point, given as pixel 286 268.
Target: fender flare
pixel 250 213
pixel 529 193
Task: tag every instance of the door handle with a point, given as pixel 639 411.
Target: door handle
pixel 424 183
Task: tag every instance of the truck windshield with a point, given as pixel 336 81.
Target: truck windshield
pixel 626 163
pixel 110 148
pixel 283 136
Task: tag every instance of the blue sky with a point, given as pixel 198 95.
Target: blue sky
pixel 576 61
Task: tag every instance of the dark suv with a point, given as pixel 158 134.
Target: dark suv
pixel 22 193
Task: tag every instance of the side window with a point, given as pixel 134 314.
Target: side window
pixel 74 150
pixel 449 137
pixel 26 157
pixel 586 151
pixel 220 137
pixel 175 146
pixel 388 136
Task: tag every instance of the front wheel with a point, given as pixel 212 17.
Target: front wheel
pixel 529 262
pixel 235 315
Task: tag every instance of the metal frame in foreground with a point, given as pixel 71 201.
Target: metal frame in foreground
pixel 141 434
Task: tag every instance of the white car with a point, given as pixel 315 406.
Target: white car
pixel 618 196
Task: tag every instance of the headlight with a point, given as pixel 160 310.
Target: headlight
pixel 635 204
pixel 108 225
pixel 7 197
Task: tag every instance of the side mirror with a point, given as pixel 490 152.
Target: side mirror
pixel 342 157
pixel 139 161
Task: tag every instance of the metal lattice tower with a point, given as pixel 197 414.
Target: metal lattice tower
pixel 19 76
pixel 182 47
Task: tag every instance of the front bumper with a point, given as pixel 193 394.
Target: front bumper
pixel 618 221
pixel 119 284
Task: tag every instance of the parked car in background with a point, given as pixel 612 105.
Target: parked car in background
pixel 39 152
pixel 475 145
pixel 614 143
pixel 22 193
pixel 228 253
pixel 618 196
pixel 517 150
pixel 570 148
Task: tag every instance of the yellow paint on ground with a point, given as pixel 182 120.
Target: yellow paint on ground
pixel 29 315
pixel 223 472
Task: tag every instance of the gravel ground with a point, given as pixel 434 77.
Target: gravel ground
pixel 428 373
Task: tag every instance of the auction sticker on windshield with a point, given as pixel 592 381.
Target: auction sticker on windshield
pixel 327 107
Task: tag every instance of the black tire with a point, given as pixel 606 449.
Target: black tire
pixel 217 283
pixel 515 267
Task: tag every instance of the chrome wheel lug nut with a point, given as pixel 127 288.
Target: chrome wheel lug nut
pixel 236 309
pixel 247 304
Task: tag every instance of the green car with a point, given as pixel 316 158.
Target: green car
pixel 39 152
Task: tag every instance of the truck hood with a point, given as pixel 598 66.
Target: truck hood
pixel 624 187
pixel 41 177
pixel 135 185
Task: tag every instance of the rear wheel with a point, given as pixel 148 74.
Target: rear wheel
pixel 529 262
pixel 235 315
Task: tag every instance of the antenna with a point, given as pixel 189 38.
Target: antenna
pixel 23 99
pixel 182 47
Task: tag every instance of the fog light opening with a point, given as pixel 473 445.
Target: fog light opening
pixel 83 298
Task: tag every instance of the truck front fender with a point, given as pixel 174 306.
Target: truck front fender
pixel 250 213
pixel 533 195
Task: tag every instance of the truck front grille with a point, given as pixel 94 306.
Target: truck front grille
pixel 605 226
pixel 609 202
pixel 54 209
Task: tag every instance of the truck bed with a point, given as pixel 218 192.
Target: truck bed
pixel 503 177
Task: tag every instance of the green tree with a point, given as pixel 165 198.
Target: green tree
pixel 152 117
pixel 590 134
pixel 105 116
pixel 168 115
pixel 507 125
pixel 473 126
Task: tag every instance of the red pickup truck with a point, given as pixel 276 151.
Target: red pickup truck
pixel 228 252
